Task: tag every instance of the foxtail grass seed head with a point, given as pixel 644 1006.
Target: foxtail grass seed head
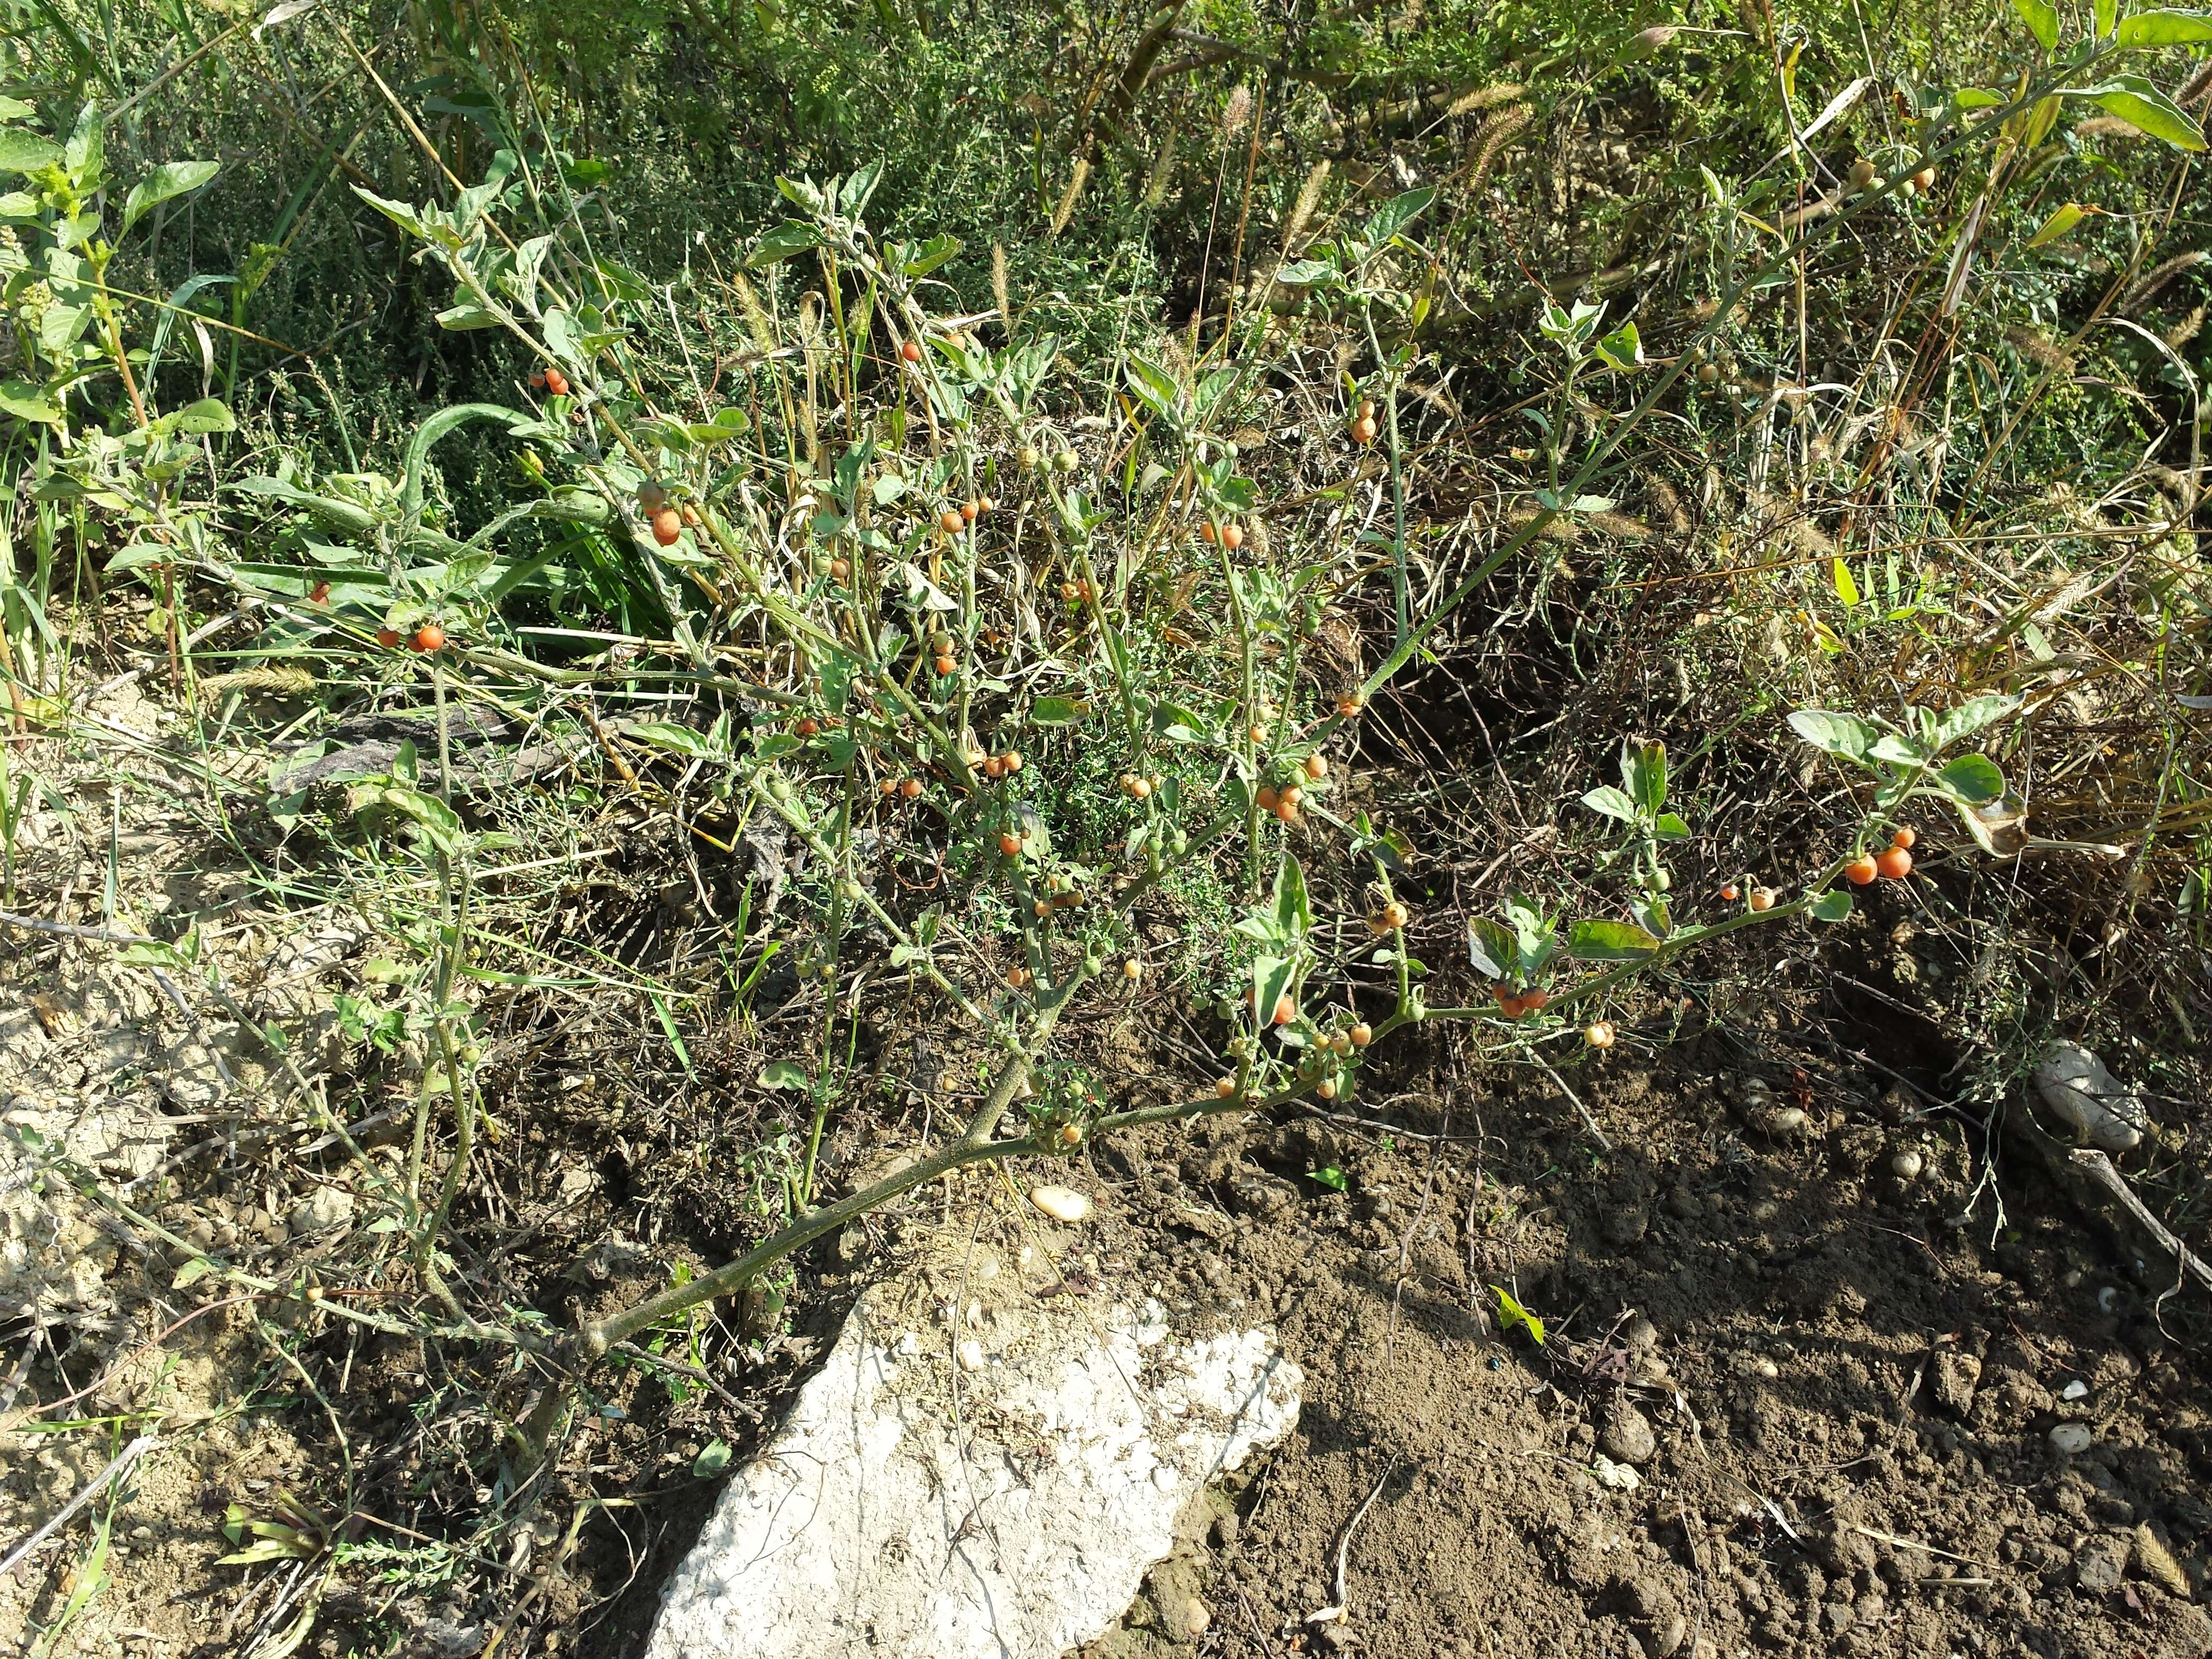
pixel 1236 112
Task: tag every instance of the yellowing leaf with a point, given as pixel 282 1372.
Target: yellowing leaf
pixel 1846 589
pixel 2061 221
pixel 1512 1313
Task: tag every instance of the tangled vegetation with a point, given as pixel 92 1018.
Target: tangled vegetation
pixel 804 529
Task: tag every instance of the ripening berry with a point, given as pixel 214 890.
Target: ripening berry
pixel 1070 1135
pixel 1895 863
pixel 1232 536
pixel 911 788
pixel 320 593
pixel 1731 892
pixel 911 351
pixel 841 570
pixel 1600 1034
pixel 808 726
pixel 888 786
pixel 557 383
pixel 1351 705
pixel 1133 970
pixel 1285 1009
pixel 1762 898
pixel 388 638
pixel 667 527
pixel 1361 1034
pixel 1326 1088
pixel 1316 767
pixel 969 509
pixel 951 522
pixel 1860 870
pixel 1009 843
pixel 1225 1087
pixel 429 637
pixel 1395 915
pixel 1906 837
pixel 1862 173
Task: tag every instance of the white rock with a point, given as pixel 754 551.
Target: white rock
pixel 1618 1476
pixel 970 1355
pixel 2075 1084
pixel 1060 1203
pixel 2071 1438
pixel 322 1210
pixel 2077 1389
pixel 865 1526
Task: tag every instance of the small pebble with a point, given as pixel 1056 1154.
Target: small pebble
pixel 1196 1616
pixel 1060 1203
pixel 970 1355
pixel 2072 1437
pixel 1906 1165
pixel 2077 1389
pixel 1785 1121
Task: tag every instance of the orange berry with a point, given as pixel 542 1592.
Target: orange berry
pixel 1326 1088
pixel 1895 863
pixel 557 383
pixel 388 638
pixel 1731 892
pixel 1225 1087
pixel 951 522
pixel 691 515
pixel 1906 837
pixel 1070 591
pixel 1363 430
pixel 911 788
pixel 888 786
pixel 1207 532
pixel 946 666
pixel 1762 898
pixel 667 527
pixel 1009 842
pixel 1287 811
pixel 1013 759
pixel 993 767
pixel 808 728
pixel 911 351
pixel 1232 536
pixel 429 637
pixel 1395 915
pixel 1361 1034
pixel 1286 1010
pixel 1859 872
pixel 969 509
pixel 1294 796
pixel 1133 970
pixel 1268 800
pixel 537 380
pixel 841 570
pixel 1316 767
pixel 320 593
pixel 1532 1001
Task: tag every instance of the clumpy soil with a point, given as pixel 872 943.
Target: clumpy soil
pixel 1837 1396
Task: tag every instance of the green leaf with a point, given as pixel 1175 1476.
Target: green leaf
pixel 2157 28
pixel 931 254
pixel 1609 941
pixel 1512 1313
pixel 1294 914
pixel 169 181
pixel 1056 711
pixel 714 1457
pixel 1846 589
pixel 1395 215
pixel 195 1269
pixel 1670 826
pixel 2042 20
pixel 666 734
pixel 2103 14
pixel 460 319
pixel 1643 773
pixel 1972 779
pixel 1832 906
pixel 1491 947
pixel 1331 1176
pixel 1622 349
pixel 208 414
pixel 26 152
pixel 1895 749
pixel 783 1074
pixel 1614 803
pixel 1271 983
pixel 2139 103
pixel 787 239
pixel 27 402
pixel 1844 736
pixel 2062 220
pixel 1973 715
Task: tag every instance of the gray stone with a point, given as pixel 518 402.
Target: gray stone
pixel 1628 1438
pixel 324 1210
pixel 2102 1563
pixel 2075 1084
